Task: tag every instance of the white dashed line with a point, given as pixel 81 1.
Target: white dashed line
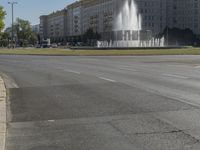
pixel 110 80
pixel 128 69
pixel 72 71
pixel 176 76
pixel 51 120
pixel 197 67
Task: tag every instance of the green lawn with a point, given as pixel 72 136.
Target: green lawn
pixel 64 52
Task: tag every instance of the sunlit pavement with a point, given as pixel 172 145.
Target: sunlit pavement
pixel 102 103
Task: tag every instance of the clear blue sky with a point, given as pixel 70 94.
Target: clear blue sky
pixel 32 9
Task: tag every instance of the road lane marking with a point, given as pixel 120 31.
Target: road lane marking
pixel 125 66
pixel 59 68
pixel 107 79
pixel 51 120
pixel 176 76
pixel 128 69
pixel 72 71
pixel 197 67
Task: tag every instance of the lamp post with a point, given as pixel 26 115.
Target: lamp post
pixel 138 20
pixel 12 7
pixel 167 25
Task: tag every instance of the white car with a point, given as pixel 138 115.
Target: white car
pixel 54 45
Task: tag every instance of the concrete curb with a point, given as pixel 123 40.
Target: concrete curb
pixel 2 114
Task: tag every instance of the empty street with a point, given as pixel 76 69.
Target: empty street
pixel 102 103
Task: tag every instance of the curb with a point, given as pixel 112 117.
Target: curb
pixel 2 114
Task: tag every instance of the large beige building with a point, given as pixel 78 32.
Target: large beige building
pixel 74 19
pixel 53 26
pixel 100 15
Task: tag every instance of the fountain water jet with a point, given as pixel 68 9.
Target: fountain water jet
pixel 128 17
pixel 127 30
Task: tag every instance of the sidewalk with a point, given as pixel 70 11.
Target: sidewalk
pixel 2 114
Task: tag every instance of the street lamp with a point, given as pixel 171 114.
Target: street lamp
pixel 12 6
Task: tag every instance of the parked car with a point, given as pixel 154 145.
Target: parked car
pixel 38 46
pixel 54 45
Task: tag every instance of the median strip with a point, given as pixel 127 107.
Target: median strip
pixel 2 114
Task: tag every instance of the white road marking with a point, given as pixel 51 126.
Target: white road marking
pixel 128 69
pixel 197 67
pixel 125 66
pixel 107 79
pixel 176 76
pixel 51 120
pixel 72 71
pixel 59 67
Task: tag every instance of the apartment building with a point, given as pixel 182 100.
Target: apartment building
pixel 53 26
pixel 43 27
pixel 100 15
pixel 36 28
pixel 153 14
pixel 184 14
pixel 74 19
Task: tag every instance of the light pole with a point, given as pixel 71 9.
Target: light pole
pixel 167 24
pixel 12 7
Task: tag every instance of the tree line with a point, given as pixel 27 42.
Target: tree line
pixel 22 32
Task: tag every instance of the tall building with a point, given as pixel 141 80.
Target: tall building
pixel 43 27
pixel 74 17
pixel 153 14
pixel 36 28
pixel 53 26
pixel 184 14
pixel 100 15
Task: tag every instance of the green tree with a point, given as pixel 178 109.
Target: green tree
pixel 22 32
pixel 180 36
pixel 2 16
pixel 90 37
pixel 4 40
pixel 4 37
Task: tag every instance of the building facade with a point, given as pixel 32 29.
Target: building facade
pixel 74 19
pixel 100 15
pixel 184 14
pixel 53 26
pixel 43 27
pixel 36 28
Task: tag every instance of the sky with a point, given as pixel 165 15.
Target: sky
pixel 32 9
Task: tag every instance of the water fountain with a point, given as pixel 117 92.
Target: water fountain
pixel 127 30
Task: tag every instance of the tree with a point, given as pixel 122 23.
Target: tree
pixel 2 16
pixel 91 37
pixel 180 36
pixel 4 40
pixel 22 32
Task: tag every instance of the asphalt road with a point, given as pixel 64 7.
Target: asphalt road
pixel 102 103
